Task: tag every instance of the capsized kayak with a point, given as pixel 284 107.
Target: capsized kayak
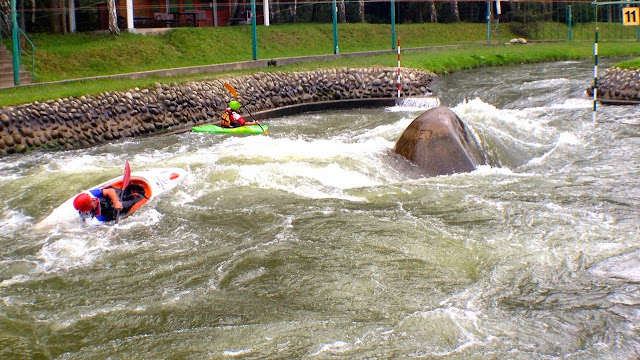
pixel 154 182
pixel 249 129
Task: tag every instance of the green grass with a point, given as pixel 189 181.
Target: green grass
pixel 629 64
pixel 72 56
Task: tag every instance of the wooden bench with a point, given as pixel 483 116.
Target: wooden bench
pixel 192 17
pixel 164 19
pixel 143 22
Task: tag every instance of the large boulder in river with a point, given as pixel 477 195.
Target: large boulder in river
pixel 439 143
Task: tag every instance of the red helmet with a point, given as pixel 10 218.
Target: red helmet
pixel 83 203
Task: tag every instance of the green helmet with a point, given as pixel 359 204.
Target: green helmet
pixel 234 105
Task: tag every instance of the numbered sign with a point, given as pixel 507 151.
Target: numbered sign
pixel 630 16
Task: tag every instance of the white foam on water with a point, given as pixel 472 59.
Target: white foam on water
pixel 543 84
pixel 285 149
pixel 181 197
pixel 514 124
pixel 515 135
pixel 405 104
pixel 574 104
pixel 13 220
pixel 383 136
pixel 625 267
pixel 82 163
pixel 464 328
pixel 565 139
pixel 335 347
pixel 8 177
pixel 237 353
pixel 75 244
pixel 73 248
pixel 486 170
pixel 146 216
pixel 312 168
pixel 72 243
pixel 328 181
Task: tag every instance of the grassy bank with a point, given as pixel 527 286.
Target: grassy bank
pixel 630 64
pixel 71 56
pixel 83 55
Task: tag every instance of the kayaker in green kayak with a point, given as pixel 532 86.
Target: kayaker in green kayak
pixel 231 118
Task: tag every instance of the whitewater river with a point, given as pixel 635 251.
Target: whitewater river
pixel 316 242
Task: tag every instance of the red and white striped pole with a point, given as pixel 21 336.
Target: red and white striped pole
pixel 595 76
pixel 398 81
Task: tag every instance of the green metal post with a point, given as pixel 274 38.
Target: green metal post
pixel 16 45
pixel 488 22
pixel 393 24
pixel 569 22
pixel 595 69
pixel 254 31
pixel 334 13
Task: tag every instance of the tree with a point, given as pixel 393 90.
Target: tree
pixel 113 17
pixel 56 24
pixel 342 12
pixel 294 11
pixel 361 11
pixel 455 12
pixel 274 11
pixel 315 10
pixel 434 12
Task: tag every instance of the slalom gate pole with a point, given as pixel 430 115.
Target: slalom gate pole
pixel 595 76
pixel 399 79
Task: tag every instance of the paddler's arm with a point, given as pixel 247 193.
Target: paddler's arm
pixel 111 194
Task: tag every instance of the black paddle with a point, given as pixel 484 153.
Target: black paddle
pixel 235 93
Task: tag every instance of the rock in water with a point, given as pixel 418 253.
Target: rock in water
pixel 440 144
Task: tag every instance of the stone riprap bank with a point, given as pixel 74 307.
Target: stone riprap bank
pixel 90 120
pixel 617 85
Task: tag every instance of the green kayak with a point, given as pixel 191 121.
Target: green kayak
pixel 249 129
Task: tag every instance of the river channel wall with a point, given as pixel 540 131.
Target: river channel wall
pixel 618 86
pixel 90 120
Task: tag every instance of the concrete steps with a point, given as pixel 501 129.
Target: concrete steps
pixel 6 70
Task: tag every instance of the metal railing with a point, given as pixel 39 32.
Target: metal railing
pixel 4 27
pixel 23 39
pixel 33 52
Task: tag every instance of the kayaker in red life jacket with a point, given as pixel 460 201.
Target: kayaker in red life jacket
pixel 104 204
pixel 231 118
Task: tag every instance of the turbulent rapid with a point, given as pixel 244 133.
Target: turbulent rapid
pixel 317 241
